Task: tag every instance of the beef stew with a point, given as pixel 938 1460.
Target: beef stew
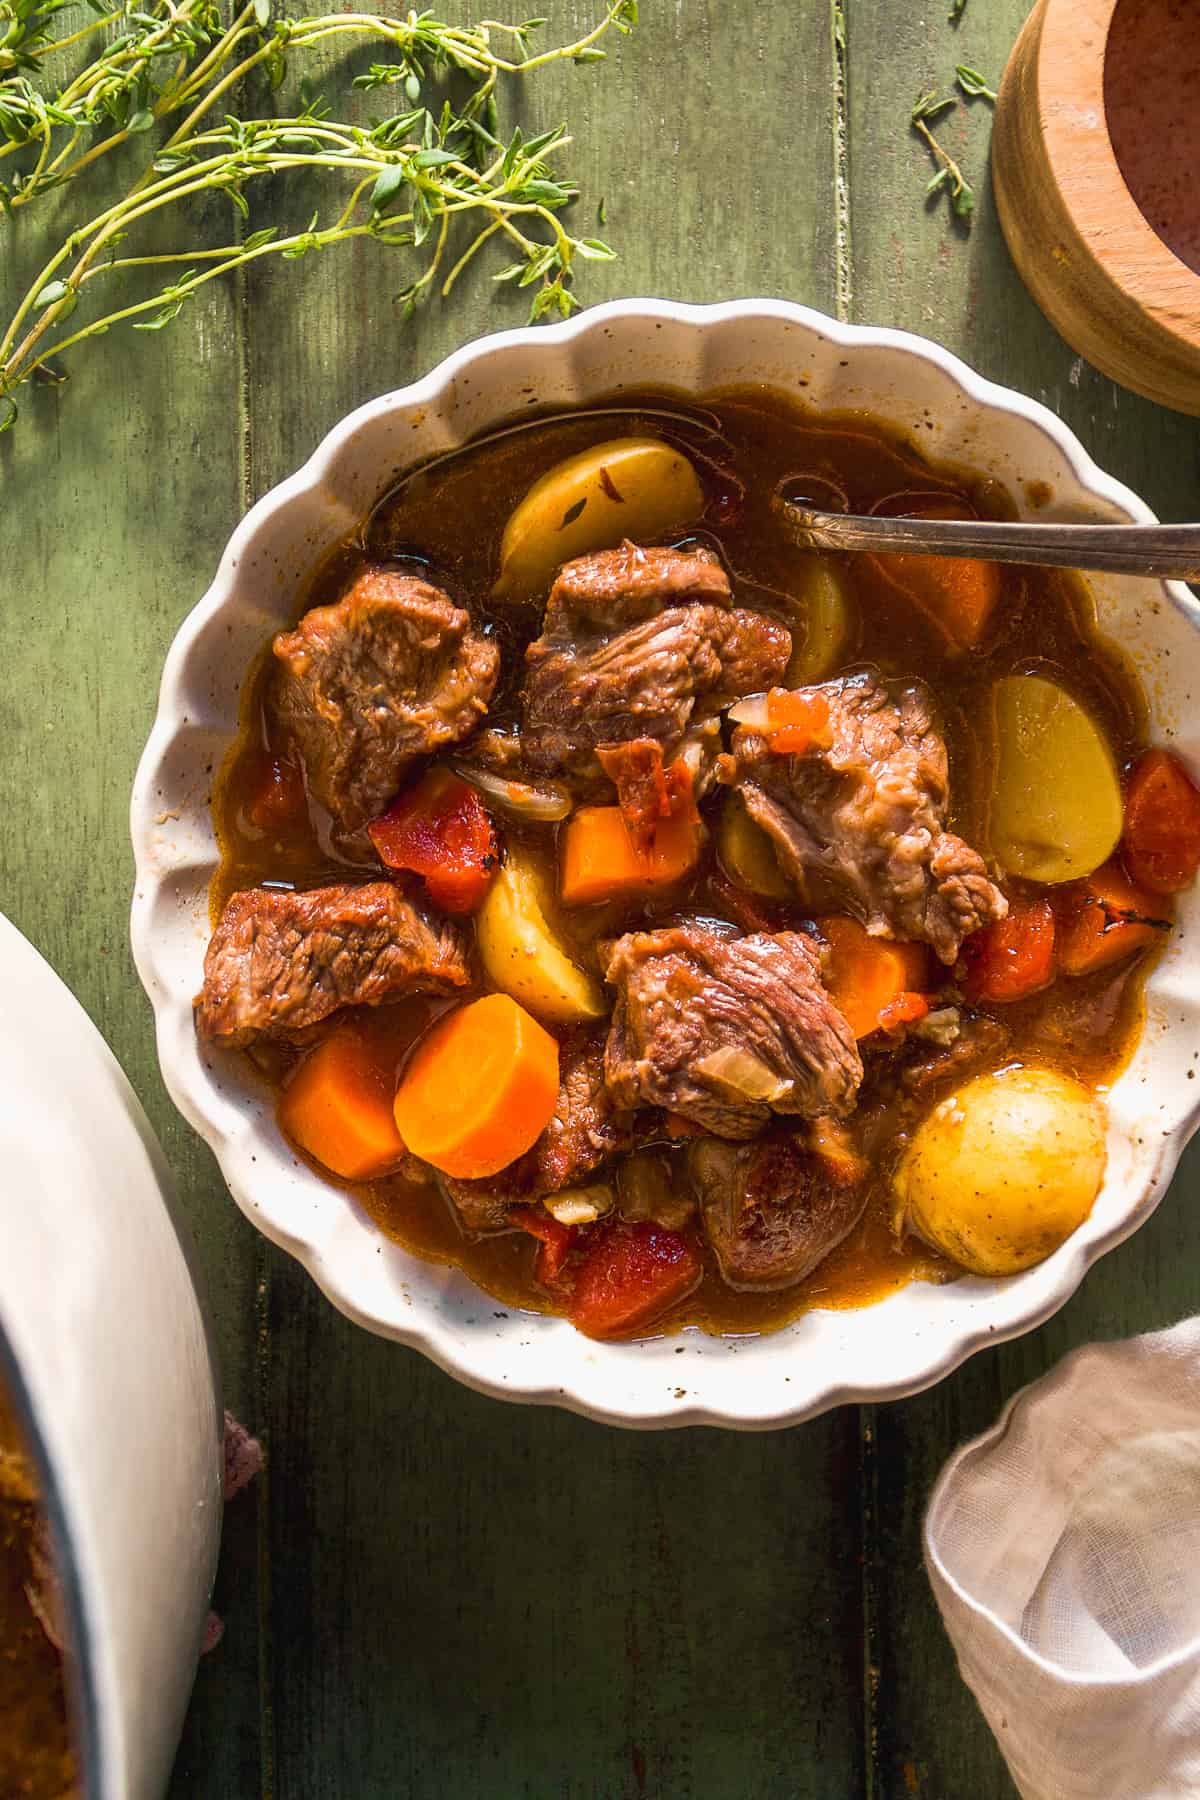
pixel 616 916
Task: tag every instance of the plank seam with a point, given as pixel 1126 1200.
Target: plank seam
pixel 843 261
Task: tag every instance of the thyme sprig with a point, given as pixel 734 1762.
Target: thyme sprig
pixel 408 178
pixel 929 107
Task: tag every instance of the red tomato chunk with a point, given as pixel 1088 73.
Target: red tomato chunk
pixel 630 1277
pixel 556 1240
pixel 1014 957
pixel 441 831
pixel 1162 824
pixel 278 795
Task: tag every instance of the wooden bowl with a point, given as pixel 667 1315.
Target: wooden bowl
pixel 1093 111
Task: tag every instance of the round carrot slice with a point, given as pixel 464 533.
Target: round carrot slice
pixel 479 1089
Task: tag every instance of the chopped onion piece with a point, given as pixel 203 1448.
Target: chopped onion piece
pixel 940 1027
pixel 579 1206
pixel 742 1074
pixel 751 711
pixel 544 804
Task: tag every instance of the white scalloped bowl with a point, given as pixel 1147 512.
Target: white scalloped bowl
pixel 825 1358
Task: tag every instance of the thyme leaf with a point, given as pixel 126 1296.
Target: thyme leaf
pixel 974 85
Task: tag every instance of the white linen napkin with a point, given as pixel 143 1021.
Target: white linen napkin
pixel 1064 1551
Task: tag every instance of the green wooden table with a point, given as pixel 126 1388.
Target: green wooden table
pixel 430 1593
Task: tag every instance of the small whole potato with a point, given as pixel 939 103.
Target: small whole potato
pixel 1005 1169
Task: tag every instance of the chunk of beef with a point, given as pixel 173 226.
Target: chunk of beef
pixel 281 962
pixel 638 644
pixel 391 672
pixel 774 1209
pixel 981 1043
pixel 586 1130
pixel 726 1030
pixel 614 588
pixel 860 822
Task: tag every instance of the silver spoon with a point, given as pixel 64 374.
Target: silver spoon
pixel 1170 552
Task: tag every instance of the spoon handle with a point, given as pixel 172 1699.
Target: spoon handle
pixel 1161 551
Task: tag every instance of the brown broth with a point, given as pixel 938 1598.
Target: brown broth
pixel 747 444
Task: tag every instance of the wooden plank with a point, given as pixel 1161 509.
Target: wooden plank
pixel 120 489
pixel 912 266
pixel 485 1601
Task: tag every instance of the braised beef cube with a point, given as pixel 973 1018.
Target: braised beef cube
pixel 639 644
pixel 391 672
pixel 859 823
pixel 726 1031
pixel 775 1208
pixel 280 962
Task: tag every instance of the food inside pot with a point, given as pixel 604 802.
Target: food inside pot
pixel 37 1758
pixel 668 925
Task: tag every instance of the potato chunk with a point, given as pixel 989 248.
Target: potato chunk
pixel 1056 806
pixel 521 955
pixel 636 488
pixel 1001 1172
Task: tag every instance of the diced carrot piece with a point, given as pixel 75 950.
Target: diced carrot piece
pixel 1105 919
pixel 1014 957
pixel 1162 824
pixel 630 1276
pixel 555 1241
pixel 796 721
pixel 600 861
pixel 480 1088
pixel 440 829
pixel 957 596
pixel 868 975
pixel 338 1107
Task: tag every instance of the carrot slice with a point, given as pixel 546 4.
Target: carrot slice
pixel 479 1089
pixel 1106 919
pixel 338 1107
pixel 1014 957
pixel 1162 824
pixel 600 861
pixel 872 981
pixel 958 597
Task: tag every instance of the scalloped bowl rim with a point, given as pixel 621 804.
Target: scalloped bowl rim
pixel 523 1357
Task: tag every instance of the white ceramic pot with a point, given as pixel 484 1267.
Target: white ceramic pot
pixel 824 1358
pixel 104 1349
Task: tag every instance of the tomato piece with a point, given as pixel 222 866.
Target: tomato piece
pixel 796 721
pixel 629 1278
pixel 1162 824
pixel 905 1009
pixel 680 1127
pixel 556 1240
pixel 440 830
pixel 647 792
pixel 1104 920
pixel 1014 957
pixel 278 796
